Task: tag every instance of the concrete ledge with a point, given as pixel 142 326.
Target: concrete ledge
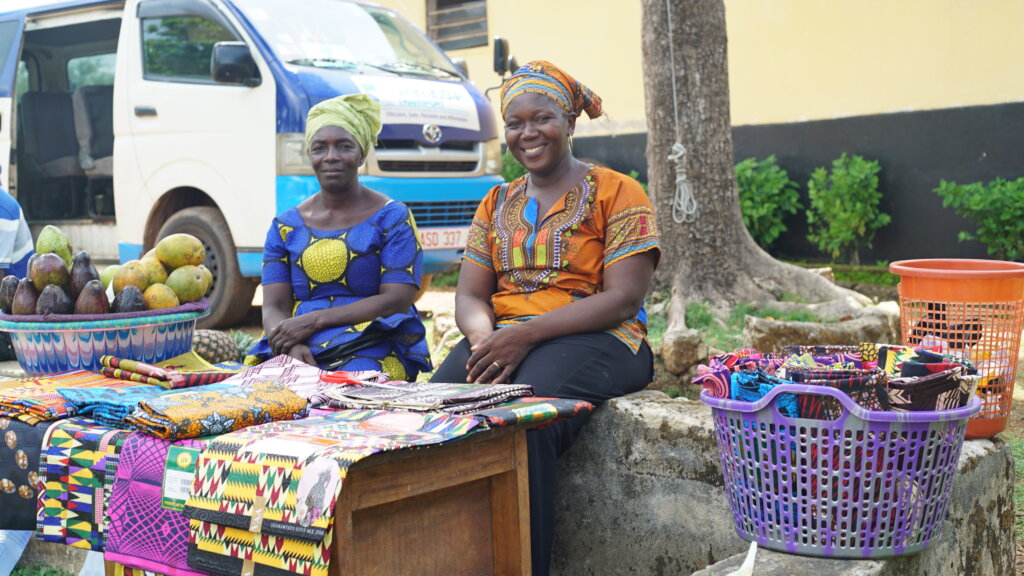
pixel 641 493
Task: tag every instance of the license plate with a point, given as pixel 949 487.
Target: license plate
pixel 444 238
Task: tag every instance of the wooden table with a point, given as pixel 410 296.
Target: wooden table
pixel 455 509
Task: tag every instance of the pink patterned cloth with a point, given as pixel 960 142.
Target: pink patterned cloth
pixel 301 378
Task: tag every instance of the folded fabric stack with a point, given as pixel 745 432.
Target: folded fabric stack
pixel 73 468
pixel 216 409
pixel 184 371
pixel 109 407
pixel 20 445
pixel 33 400
pixel 876 376
pixel 307 381
pixel 425 396
pixel 534 411
pixel 264 497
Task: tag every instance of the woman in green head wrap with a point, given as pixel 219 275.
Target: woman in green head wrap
pixel 341 269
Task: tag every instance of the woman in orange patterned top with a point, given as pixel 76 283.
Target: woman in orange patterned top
pixel 554 276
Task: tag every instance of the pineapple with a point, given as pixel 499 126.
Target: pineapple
pixel 215 346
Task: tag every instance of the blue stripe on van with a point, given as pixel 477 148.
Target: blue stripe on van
pixel 291 190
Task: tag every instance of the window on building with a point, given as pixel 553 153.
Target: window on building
pixel 456 24
pixel 178 48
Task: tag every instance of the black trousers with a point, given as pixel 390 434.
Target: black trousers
pixel 592 367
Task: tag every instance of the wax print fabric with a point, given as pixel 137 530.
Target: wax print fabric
pixel 532 411
pixel 944 390
pixel 546 261
pixel 147 529
pixel 307 381
pixel 425 396
pixel 216 409
pixel 282 481
pixel 329 269
pixel 865 387
pixel 35 399
pixel 109 407
pixel 751 386
pixel 185 371
pixel 20 444
pixel 73 467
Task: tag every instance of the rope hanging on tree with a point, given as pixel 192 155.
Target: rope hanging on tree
pixel 684 203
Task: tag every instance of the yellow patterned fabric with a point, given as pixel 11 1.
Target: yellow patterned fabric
pixel 542 77
pixel 605 218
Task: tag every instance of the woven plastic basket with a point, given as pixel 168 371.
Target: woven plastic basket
pixel 52 347
pixel 868 484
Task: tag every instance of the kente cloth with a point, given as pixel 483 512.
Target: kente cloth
pixel 751 386
pixel 216 409
pixel 865 387
pixel 944 390
pixel 533 411
pixel 425 396
pixel 543 77
pixel 891 357
pixel 109 407
pixel 333 268
pixel 36 399
pixel 230 551
pixel 545 261
pixel 19 473
pixel 183 371
pixel 73 469
pixel 147 529
pixel 283 479
pixel 357 114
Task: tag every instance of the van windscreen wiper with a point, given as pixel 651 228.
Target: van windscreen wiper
pixel 421 67
pixel 335 63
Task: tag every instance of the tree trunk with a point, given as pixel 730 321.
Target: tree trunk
pixel 709 257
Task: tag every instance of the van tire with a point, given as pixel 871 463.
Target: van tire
pixel 230 293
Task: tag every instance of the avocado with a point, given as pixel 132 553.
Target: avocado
pixel 129 299
pixel 54 300
pixel 49 269
pixel 25 298
pixel 82 271
pixel 92 299
pixel 8 286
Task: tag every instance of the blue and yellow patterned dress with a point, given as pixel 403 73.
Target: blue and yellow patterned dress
pixel 333 268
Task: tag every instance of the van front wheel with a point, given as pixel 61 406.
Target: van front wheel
pixel 230 294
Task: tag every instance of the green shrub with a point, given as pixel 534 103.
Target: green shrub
pixel 844 212
pixel 510 167
pixel 996 208
pixel 766 195
pixel 636 176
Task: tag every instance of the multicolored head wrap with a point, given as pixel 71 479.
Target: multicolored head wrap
pixel 545 78
pixel 356 113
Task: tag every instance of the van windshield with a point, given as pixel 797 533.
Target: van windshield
pixel 339 34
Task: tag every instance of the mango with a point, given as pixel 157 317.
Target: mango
pixel 179 250
pixel 131 273
pixel 155 269
pixel 49 268
pixel 159 296
pixel 108 274
pixel 51 240
pixel 188 282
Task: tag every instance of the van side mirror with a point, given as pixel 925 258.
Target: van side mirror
pixel 500 56
pixel 232 63
pixel 460 63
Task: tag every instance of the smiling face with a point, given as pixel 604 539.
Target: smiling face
pixel 537 132
pixel 336 157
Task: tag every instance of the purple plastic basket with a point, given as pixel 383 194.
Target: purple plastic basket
pixel 868 484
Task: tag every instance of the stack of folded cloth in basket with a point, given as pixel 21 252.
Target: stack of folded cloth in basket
pixel 877 376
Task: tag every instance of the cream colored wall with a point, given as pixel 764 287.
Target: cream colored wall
pixel 789 60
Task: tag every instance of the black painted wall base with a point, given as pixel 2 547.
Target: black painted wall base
pixel 915 149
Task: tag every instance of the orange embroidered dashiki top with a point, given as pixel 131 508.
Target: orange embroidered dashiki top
pixel 543 262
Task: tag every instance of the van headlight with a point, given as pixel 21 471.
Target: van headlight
pixel 492 156
pixel 292 159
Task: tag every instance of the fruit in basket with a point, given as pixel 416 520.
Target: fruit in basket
pixel 129 299
pixel 47 269
pixel 51 240
pixel 92 299
pixel 208 274
pixel 54 300
pixel 8 286
pixel 155 269
pixel 179 250
pixel 131 273
pixel 159 296
pixel 25 298
pixel 188 282
pixel 82 271
pixel 108 274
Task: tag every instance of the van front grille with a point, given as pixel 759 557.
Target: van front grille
pixel 456 213
pixel 426 166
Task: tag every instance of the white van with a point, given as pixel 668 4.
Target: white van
pixel 123 121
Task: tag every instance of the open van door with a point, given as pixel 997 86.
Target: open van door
pixel 10 51
pixel 196 146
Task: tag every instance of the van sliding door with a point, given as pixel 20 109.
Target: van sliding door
pixel 10 50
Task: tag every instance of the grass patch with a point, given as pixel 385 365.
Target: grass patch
pixel 446 279
pixel 656 326
pixel 1016 444
pixel 727 333
pixel 39 570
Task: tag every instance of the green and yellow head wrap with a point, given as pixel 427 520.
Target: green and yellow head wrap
pixel 356 113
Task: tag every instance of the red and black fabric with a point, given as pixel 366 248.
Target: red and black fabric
pixel 865 387
pixel 944 390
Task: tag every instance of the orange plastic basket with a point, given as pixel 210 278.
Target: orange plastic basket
pixel 973 309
